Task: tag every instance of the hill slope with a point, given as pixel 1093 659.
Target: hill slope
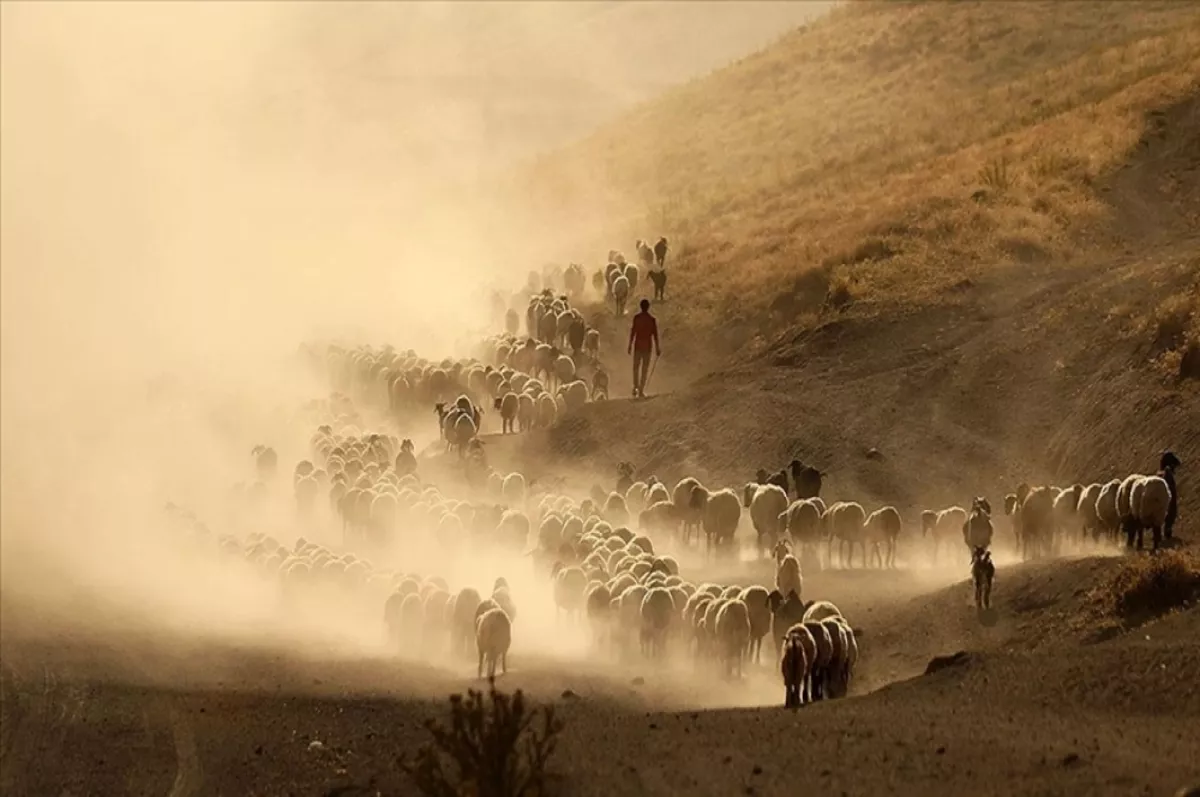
pixel 962 234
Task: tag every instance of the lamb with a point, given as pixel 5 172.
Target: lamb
pixel 599 385
pixel 620 294
pixel 493 636
pixel 658 278
pixel 788 578
pixel 982 573
pixel 591 343
pixel 733 634
pixel 883 528
pixel 794 666
pixel 1150 507
pixel 766 503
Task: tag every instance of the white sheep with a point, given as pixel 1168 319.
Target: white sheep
pixel 802 523
pixel 947 524
pixel 512 489
pixel 733 633
pixel 788 577
pixel 493 636
pixel 845 521
pixel 722 513
pixel 1086 510
pixel 766 503
pixel 1067 523
pixel 575 394
pixel 1150 500
pixel 882 528
pixel 620 294
pixel 657 611
pixel 758 604
pixel 1106 508
pixel 820 665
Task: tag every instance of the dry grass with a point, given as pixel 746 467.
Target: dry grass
pixel 1149 586
pixel 1175 330
pixel 902 146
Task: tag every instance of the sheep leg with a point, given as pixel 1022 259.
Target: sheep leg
pixel 504 664
pixel 480 668
pixel 1156 532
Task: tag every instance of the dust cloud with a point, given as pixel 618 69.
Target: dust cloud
pixel 190 192
pixel 170 235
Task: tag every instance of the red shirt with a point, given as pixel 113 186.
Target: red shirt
pixel 643 331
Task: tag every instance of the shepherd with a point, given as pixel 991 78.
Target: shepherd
pixel 642 333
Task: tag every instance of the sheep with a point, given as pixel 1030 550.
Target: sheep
pixel 821 610
pixel 806 479
pixel 526 412
pixel 733 634
pixel 1037 521
pixel 945 524
pixel 600 385
pixel 574 394
pixel 598 603
pixel 788 578
pixel 620 294
pixel 1106 509
pixel 766 503
pixel 1066 514
pixel 1150 506
pixel 844 521
pixel 758 604
pixel 786 611
pixel 493 636
pixel 508 405
pixel 465 603
pixel 658 277
pixel 1089 518
pixel 570 586
pixel 1167 464
pixel 793 665
pixel 801 522
pixel 722 513
pixel 591 343
pixel 660 252
pixel 657 610
pixel 977 528
pixel 883 527
pixel 982 573
pixel 845 656
pixel 819 666
pixel 645 253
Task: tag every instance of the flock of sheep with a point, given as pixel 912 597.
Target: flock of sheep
pixel 606 559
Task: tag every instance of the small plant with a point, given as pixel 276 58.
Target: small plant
pixel 1152 585
pixel 492 745
pixel 995 175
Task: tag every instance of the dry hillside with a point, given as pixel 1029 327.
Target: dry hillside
pixel 964 234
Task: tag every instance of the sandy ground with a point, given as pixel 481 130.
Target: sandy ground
pixel 1038 707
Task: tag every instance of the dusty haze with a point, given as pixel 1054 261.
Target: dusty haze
pixel 191 191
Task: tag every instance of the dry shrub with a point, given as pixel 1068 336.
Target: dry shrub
pixel 995 175
pixel 1148 586
pixel 1171 322
pixel 1189 361
pixel 493 745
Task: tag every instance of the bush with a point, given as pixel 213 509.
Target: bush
pixel 492 745
pixel 1152 585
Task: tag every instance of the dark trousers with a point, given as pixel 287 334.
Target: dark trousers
pixel 641 368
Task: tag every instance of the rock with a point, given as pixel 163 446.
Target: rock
pixel 938 663
pixel 569 695
pixel 316 744
pixel 1070 759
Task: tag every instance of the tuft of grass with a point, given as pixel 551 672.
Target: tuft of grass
pixel 995 175
pixel 1149 586
pixel 494 746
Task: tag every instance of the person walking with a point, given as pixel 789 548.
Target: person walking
pixel 643 338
